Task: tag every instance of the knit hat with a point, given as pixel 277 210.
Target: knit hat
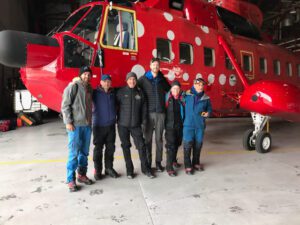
pixel 175 83
pixel 105 77
pixel 84 69
pixel 199 80
pixel 131 74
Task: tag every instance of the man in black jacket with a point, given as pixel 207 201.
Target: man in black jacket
pixel 155 86
pixel 132 112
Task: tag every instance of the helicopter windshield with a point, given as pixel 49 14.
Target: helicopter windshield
pixel 72 20
pixel 88 28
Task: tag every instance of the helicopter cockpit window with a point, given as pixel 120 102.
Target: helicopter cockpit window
pixel 76 53
pixel 88 28
pixel 72 20
pixel 120 30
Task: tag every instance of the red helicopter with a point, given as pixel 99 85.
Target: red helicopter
pixel 220 41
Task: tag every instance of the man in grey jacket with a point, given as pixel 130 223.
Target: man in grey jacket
pixel 77 114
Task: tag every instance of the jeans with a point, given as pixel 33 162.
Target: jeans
pixel 78 144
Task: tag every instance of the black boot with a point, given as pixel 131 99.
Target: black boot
pixel 159 167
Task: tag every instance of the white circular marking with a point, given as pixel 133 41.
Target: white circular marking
pixel 171 75
pixel 140 28
pixel 198 41
pixel 172 55
pixel 198 75
pixel 139 70
pixel 171 35
pixel 185 76
pixel 205 29
pixel 222 79
pixel 211 78
pixel 154 53
pixel 168 16
pixel 232 80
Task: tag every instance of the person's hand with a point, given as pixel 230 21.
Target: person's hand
pixel 70 127
pixel 204 114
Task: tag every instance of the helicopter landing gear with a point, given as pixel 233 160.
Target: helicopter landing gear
pixel 258 139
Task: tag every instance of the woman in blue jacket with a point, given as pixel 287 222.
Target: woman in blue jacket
pixel 197 109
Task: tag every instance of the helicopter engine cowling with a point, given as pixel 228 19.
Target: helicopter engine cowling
pixel 21 49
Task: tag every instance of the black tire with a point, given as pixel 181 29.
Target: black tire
pixel 246 140
pixel 263 142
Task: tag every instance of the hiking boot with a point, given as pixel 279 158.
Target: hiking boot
pixel 111 172
pixel 97 176
pixel 159 167
pixel 84 179
pixel 130 176
pixel 149 174
pixel 72 186
pixel 172 173
pixel 189 171
pixel 199 167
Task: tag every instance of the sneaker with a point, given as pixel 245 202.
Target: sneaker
pixel 72 186
pixel 172 173
pixel 159 167
pixel 176 165
pixel 149 174
pixel 199 167
pixel 189 171
pixel 111 172
pixel 84 179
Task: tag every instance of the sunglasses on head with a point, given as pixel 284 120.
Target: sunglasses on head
pixel 198 82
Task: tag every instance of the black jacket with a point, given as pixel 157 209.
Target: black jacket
pixel 154 91
pixel 132 107
pixel 174 111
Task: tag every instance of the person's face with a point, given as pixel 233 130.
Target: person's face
pixel 131 82
pixel 105 84
pixel 175 90
pixel 199 86
pixel 86 77
pixel 154 67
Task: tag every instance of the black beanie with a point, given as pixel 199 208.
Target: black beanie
pixel 175 83
pixel 84 69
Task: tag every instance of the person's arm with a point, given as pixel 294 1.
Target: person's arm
pixel 66 107
pixel 208 109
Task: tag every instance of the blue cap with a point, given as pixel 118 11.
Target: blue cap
pixel 105 77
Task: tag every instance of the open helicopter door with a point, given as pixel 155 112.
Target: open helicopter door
pixel 118 42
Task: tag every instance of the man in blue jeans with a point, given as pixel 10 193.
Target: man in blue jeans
pixel 77 114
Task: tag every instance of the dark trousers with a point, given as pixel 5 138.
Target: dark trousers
pixel 173 139
pixel 155 122
pixel 192 149
pixel 104 136
pixel 137 135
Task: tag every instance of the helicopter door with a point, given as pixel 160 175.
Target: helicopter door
pixel 119 43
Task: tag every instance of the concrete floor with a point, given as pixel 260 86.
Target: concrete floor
pixel 237 187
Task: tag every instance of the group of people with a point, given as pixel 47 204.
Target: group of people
pixel 144 106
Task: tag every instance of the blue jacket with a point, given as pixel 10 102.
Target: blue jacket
pixel 195 104
pixel 104 107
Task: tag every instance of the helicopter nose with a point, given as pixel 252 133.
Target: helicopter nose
pixel 17 48
pixel 273 98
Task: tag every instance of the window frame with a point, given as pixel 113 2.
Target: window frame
pixel 191 48
pixel 213 56
pixel 167 60
pixel 104 24
pixel 289 69
pixel 277 67
pixel 265 63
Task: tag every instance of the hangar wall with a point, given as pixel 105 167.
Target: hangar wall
pixel 14 16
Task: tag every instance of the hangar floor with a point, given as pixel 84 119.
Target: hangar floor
pixel 236 188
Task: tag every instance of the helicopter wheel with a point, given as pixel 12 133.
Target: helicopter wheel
pixel 263 142
pixel 248 140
